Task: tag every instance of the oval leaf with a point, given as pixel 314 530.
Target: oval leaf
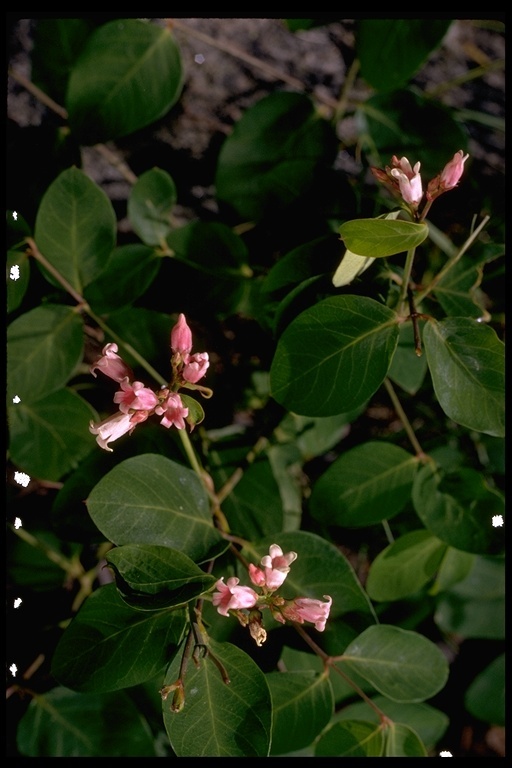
pixel 382 237
pixel 219 719
pixel 352 265
pixel 405 566
pixel 128 75
pixel 485 697
pixel 467 364
pixel 365 485
pixel 150 206
pixel 333 356
pixel 403 741
pixel 76 227
pixel 402 665
pixel 149 499
pixel 351 738
pixel 109 646
pixel 127 275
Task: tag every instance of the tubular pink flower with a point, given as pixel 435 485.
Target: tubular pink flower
pixel 277 566
pixel 231 597
pixel 308 609
pixel 173 411
pixel 256 575
pixel 409 181
pixel 112 365
pixel 181 336
pixel 135 396
pixel 451 173
pixel 195 367
pixel 112 428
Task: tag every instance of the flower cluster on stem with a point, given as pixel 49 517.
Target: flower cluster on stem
pixel 404 181
pixel 246 604
pixel 137 402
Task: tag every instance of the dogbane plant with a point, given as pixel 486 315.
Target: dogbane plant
pixel 215 609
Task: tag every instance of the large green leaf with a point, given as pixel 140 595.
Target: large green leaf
pixel 150 206
pixel 403 741
pixel 405 566
pixel 109 646
pixel 153 577
pixel 302 705
pixel 49 437
pixel 467 364
pixel 351 738
pixel 407 368
pixel 273 156
pixel 367 484
pixel 63 723
pixel 44 348
pixel 382 237
pixel 334 356
pixel 220 719
pixel 128 75
pixel 459 507
pixel 150 499
pixel 320 569
pixel 392 50
pixel 402 665
pixel 75 227
pixel 127 275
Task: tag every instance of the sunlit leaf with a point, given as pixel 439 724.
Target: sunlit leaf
pixel 382 237
pixel 403 741
pixel 334 356
pixel 220 719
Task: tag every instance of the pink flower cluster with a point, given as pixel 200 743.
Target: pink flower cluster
pixel 404 180
pixel 230 596
pixel 137 402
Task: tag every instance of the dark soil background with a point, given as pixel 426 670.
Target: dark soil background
pixel 230 64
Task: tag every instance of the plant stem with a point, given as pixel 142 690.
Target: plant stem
pixel 405 280
pixel 405 421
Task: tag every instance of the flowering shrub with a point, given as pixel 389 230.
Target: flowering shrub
pixel 293 564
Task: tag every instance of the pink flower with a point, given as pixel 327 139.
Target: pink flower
pixel 277 566
pixel 231 597
pixel 135 396
pixel 113 427
pixel 256 575
pixel 195 367
pixel 409 180
pixel 451 173
pixel 112 365
pixel 308 609
pixel 173 411
pixel 181 337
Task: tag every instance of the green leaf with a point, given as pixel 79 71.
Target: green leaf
pixel 150 206
pixel 458 507
pixel 302 705
pixel 149 499
pixel 44 348
pixel 320 569
pixel 467 364
pixel 128 75
pixel 407 369
pixel 153 577
pixel 333 356
pixel 454 567
pixel 273 156
pixel 18 277
pixel 75 227
pixel 37 565
pixel 458 291
pixel 62 723
pixel 429 723
pixel 382 237
pixel 485 697
pixel 109 646
pixel 400 664
pixel 49 437
pixel 405 566
pixel 367 484
pixel 403 741
pixel 351 738
pixel 127 275
pixel 392 50
pixel 220 719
